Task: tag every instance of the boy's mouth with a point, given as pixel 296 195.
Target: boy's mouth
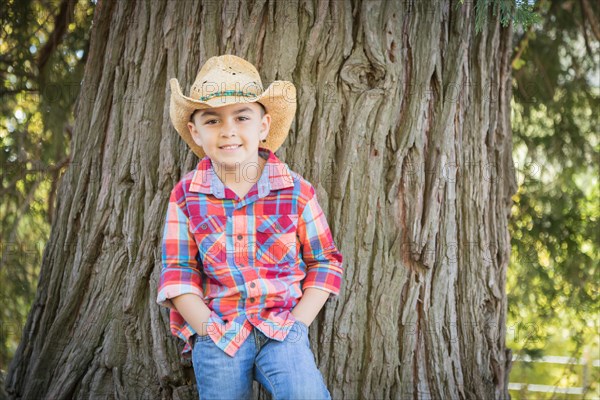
pixel 230 147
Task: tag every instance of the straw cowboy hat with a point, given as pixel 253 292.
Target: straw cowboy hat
pixel 229 79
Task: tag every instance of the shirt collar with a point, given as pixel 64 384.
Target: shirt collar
pixel 275 175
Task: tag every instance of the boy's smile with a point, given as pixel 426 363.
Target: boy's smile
pixel 230 136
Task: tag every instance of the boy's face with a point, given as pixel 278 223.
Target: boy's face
pixel 237 124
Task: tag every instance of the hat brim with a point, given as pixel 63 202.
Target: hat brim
pixel 279 99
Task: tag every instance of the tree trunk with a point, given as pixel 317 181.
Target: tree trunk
pixel 403 126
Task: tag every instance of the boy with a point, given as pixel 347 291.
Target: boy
pixel 248 257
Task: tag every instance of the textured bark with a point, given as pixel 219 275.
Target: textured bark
pixel 403 126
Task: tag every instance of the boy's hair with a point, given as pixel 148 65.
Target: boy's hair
pixel 263 111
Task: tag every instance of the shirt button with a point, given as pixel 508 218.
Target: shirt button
pixel 252 284
pixel 251 299
pixel 240 237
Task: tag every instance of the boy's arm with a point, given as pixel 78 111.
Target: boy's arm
pixel 323 262
pixel 180 275
pixel 194 311
pixel 310 304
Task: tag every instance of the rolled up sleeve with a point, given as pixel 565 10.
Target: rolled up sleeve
pixel 179 274
pixel 323 260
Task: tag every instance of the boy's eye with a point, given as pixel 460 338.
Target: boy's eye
pixel 209 122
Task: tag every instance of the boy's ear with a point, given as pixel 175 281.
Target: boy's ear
pixel 265 125
pixel 191 127
pixel 194 133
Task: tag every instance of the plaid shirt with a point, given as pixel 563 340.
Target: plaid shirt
pixel 248 259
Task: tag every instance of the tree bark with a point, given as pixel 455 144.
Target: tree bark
pixel 403 127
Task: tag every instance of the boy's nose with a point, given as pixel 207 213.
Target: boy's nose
pixel 228 132
pixel 228 129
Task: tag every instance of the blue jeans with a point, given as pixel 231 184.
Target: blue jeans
pixel 285 369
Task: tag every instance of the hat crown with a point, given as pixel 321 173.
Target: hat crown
pixel 227 74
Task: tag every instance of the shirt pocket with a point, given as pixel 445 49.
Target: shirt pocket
pixel 210 234
pixel 276 240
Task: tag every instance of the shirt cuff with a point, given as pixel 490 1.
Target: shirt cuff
pixel 167 292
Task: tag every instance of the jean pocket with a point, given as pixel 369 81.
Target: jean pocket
pixel 209 232
pixel 298 333
pixel 198 339
pixel 276 239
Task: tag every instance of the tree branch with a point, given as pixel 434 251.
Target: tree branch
pixel 61 22
pixel 524 39
pixel 589 15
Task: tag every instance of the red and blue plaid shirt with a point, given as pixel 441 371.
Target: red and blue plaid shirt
pixel 249 259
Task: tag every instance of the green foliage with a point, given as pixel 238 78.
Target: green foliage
pixel 516 11
pixel 43 47
pixel 553 276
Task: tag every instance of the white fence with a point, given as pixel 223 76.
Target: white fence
pixel 555 389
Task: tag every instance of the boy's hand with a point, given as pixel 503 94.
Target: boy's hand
pixel 194 311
